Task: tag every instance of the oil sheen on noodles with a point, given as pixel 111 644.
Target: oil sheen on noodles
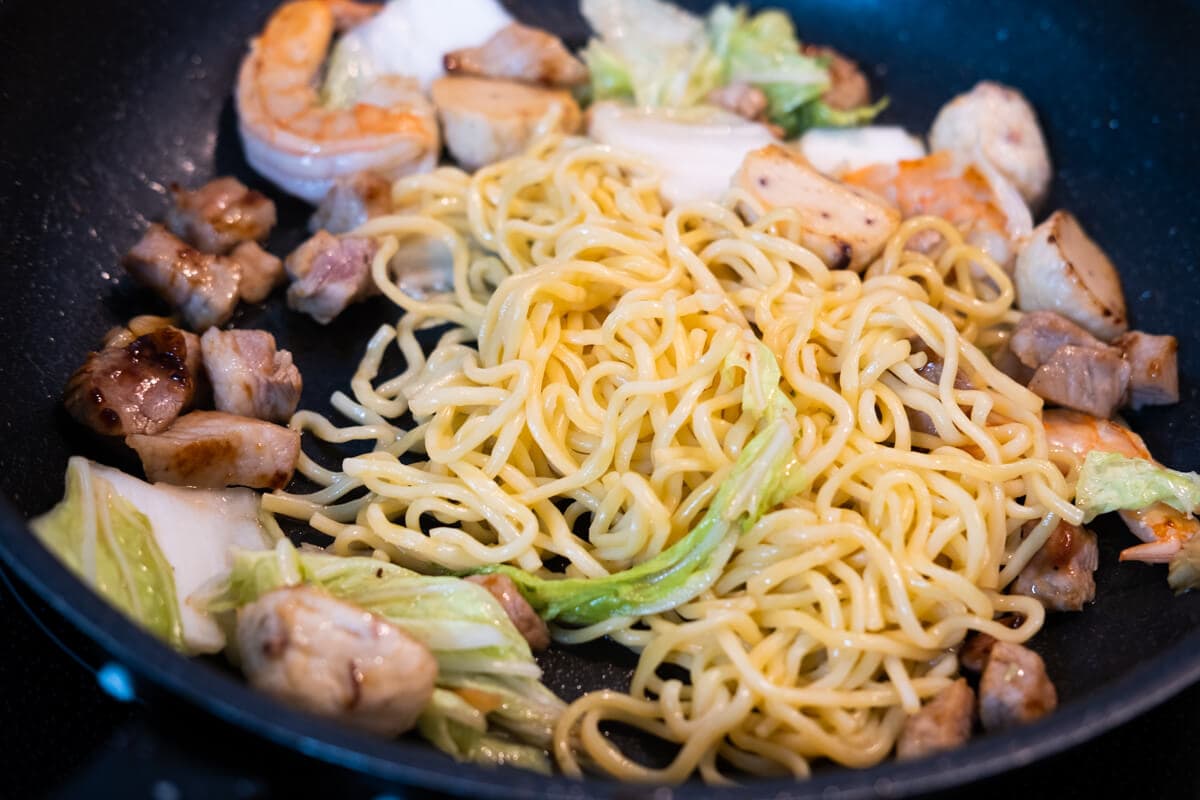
pixel 586 387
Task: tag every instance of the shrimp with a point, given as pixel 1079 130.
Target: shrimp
pixel 985 207
pixel 1163 529
pixel 303 145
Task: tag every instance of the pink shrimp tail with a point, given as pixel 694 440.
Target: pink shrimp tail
pixel 1152 552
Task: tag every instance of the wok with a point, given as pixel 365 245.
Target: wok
pixel 106 103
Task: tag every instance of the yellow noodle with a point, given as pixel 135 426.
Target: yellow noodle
pixel 584 389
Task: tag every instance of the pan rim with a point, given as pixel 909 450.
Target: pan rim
pixel 205 687
pixel 1124 696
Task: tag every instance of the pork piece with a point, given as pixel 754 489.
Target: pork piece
pixel 1154 368
pixel 261 271
pixel 329 274
pixel 921 422
pixel 845 226
pixel 1085 379
pixel 523 617
pixel 519 53
pixel 249 376
pixel 1060 574
pixel 203 287
pixel 143 324
pixel 422 265
pixel 212 449
pixel 1040 333
pixel 220 215
pixel 485 121
pixel 977 647
pixel 140 387
pixel 743 99
pixel 1077 370
pixel 848 86
pixel 995 123
pixel 1061 269
pixel 351 201
pixel 976 650
pixel 327 656
pixel 1007 362
pixel 943 723
pixel 931 371
pixel 1014 688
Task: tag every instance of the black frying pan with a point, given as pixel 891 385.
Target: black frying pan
pixel 102 106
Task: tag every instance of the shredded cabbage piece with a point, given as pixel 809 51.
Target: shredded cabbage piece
pixel 104 539
pixel 764 474
pixel 480 653
pixel 146 547
pixel 655 54
pixel 1113 482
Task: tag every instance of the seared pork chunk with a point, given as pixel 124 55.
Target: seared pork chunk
pixel 976 650
pixel 212 449
pixel 921 422
pixel 848 87
pixel 220 215
pixel 143 324
pixel 421 265
pixel 324 655
pixel 1007 362
pixel 329 274
pixel 977 647
pixel 844 225
pixel 140 387
pixel 523 617
pixel 1014 688
pixel 1076 370
pixel 1085 379
pixel 351 201
pixel 485 121
pixel 203 287
pixel 519 53
pixel 249 376
pixel 1040 333
pixel 261 271
pixel 943 723
pixel 1060 574
pixel 1154 368
pixel 932 369
pixel 148 323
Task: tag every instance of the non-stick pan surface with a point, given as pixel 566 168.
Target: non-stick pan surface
pixel 104 104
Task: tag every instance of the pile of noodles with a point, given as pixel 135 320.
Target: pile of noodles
pixel 581 410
